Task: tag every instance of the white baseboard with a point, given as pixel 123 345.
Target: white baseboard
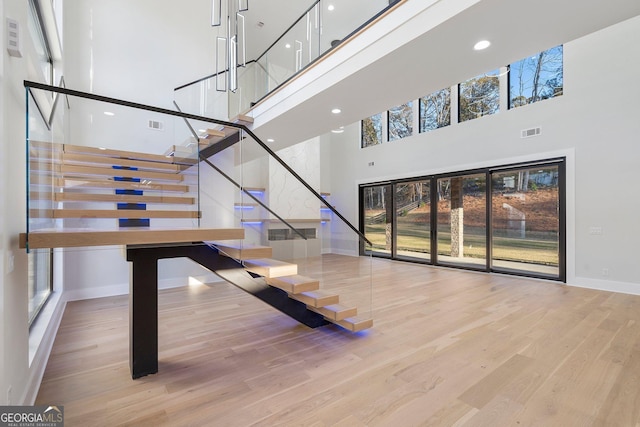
pixel 41 337
pixel 98 292
pixel 607 285
pixel 123 288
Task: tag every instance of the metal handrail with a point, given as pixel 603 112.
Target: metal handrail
pixel 351 34
pixel 65 91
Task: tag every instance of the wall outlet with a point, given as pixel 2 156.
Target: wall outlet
pixel 11 261
pixel 605 272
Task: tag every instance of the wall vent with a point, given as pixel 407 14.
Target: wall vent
pixel 528 133
pixel 156 125
pixel 13 38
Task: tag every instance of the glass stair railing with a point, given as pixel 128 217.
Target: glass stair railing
pixel 127 166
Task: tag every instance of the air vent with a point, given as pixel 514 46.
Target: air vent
pixel 13 38
pixel 528 133
pixel 156 125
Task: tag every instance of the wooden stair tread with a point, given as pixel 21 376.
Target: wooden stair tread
pixel 242 119
pixel 111 213
pixel 160 158
pixel 212 136
pixel 267 267
pixel 72 158
pixel 66 238
pixel 335 312
pixel 294 284
pixel 87 183
pixel 214 133
pixel 316 298
pixel 70 196
pixel 244 251
pixel 217 134
pixel 182 154
pixel 73 170
pixel 354 324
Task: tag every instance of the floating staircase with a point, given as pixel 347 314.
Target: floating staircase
pixel 284 276
pixel 75 176
pixel 68 178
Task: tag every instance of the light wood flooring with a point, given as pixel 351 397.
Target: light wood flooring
pixel 448 348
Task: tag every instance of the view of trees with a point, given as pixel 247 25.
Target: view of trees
pixel 435 110
pixel 536 78
pixel 401 121
pixel 479 96
pixel 455 224
pixel 372 130
pixel 531 79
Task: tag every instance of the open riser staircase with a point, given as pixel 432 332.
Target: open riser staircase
pixel 136 188
pixel 284 276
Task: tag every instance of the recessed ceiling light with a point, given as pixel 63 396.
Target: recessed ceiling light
pixel 482 44
pixel 288 46
pixel 339 130
pixel 109 113
pixel 270 140
pixel 336 111
pixel 331 7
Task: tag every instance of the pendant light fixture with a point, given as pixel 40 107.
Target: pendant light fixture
pixel 231 49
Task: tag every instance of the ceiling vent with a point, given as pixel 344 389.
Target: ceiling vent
pixel 156 125
pixel 528 133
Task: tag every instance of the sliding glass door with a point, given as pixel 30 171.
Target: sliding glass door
pixel 413 219
pixel 377 217
pixel 525 220
pixel 462 228
pixel 508 219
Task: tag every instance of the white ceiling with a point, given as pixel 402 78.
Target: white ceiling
pixel 439 57
pixel 276 16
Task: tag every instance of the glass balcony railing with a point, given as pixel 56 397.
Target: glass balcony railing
pixel 323 27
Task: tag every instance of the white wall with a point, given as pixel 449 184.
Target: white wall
pixel 3 203
pixel 139 50
pixel 288 197
pixel 15 372
pixel 594 124
pixel 136 51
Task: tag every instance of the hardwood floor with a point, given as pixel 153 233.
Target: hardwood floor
pixel 448 347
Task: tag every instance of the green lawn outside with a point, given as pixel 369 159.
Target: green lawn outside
pixel 415 238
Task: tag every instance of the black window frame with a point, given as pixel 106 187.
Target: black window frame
pixel 560 162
